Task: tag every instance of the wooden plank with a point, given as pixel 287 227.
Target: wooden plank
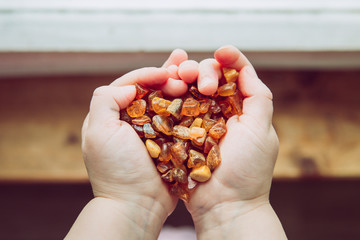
pixel 316 116
pixel 193 25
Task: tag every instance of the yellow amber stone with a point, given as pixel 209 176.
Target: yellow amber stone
pixel 200 174
pixel 190 107
pixel 153 148
pixel 136 108
pixel 181 132
pixel 213 159
pixel 227 89
pixel 160 105
pixel 218 130
pixel 230 74
pixel 196 123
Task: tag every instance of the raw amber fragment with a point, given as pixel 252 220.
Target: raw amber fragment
pixel 178 153
pixel 136 108
pixel 213 159
pixel 208 123
pixel 175 108
pixel 152 95
pixel 139 130
pixel 226 109
pixel 179 175
pixel 196 159
pixel 204 105
pixel 236 102
pixel 214 107
pixel 141 120
pixel 196 123
pixel 153 148
pixel 141 91
pixel 168 176
pixel 231 75
pixel 190 107
pixel 180 192
pixel 195 93
pixel 186 121
pixel 160 105
pixel 163 167
pixel 209 143
pixel 218 130
pixel 201 174
pixel 181 132
pixel 227 89
pixel 198 135
pixel 149 131
pixel 165 154
pixel 163 124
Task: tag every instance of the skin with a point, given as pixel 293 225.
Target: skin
pixel 130 200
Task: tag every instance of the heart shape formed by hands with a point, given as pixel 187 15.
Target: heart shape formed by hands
pixel 182 134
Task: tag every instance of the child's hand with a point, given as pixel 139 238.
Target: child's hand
pixel 249 149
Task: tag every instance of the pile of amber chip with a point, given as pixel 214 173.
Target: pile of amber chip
pixel 182 134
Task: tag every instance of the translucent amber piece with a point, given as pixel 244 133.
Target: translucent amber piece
pixel 149 131
pixel 208 123
pixel 196 159
pixel 163 124
pixel 236 102
pixel 153 148
pixel 179 175
pixel 160 105
pixel 227 89
pixel 178 153
pixel 165 154
pixel 218 130
pixel 181 132
pixel 231 75
pixel 175 108
pixel 140 91
pixel 209 143
pixel 136 108
pixel 196 123
pixel 186 121
pixel 204 105
pixel 152 96
pixel 200 174
pixel 168 176
pixel 213 159
pixel 139 130
pixel 214 107
pixel 190 107
pixel 198 135
pixel 195 92
pixel 141 120
pixel 163 167
pixel 226 109
pixel 180 192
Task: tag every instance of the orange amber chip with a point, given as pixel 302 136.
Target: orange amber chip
pixel 227 89
pixel 190 107
pixel 137 108
pixel 160 106
pixel 140 91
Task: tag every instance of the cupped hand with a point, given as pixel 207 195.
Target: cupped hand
pixel 249 148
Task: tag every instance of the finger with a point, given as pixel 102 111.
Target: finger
pixel 148 77
pixel 173 71
pixel 229 56
pixel 257 101
pixel 209 73
pixel 176 57
pixel 188 71
pixel 174 88
pixel 106 104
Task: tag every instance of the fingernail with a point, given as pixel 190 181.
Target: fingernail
pixel 251 72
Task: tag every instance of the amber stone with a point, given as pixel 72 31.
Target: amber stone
pixel 230 74
pixel 198 135
pixel 152 148
pixel 163 124
pixel 235 101
pixel 163 167
pixel 175 108
pixel 141 91
pixel 149 132
pixel 214 107
pixel 151 96
pixel 160 105
pixel 186 121
pixel 190 107
pixel 200 174
pixel 196 123
pixel 124 116
pixel 139 130
pixel 180 192
pixel 196 159
pixel 204 105
pixel 168 176
pixel 218 130
pixel 209 143
pixel 165 154
pixel 181 132
pixel 141 120
pixel 179 175
pixel 227 89
pixel 208 123
pixel 195 93
pixel 136 108
pixel 227 109
pixel 178 153
pixel 213 159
